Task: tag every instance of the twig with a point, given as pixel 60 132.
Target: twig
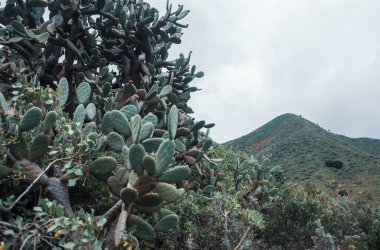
pixel 242 239
pixel 33 183
pixel 6 224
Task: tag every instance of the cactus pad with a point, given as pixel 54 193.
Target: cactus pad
pixel 129 111
pixel 167 191
pixel 164 156
pixel 63 88
pixel 128 195
pixel 83 92
pixel 90 111
pixel 103 165
pixel 175 174
pixel 107 126
pixel 167 223
pixel 79 115
pixel 50 121
pixel 172 122
pixel 39 147
pixel 115 141
pixel 120 123
pixel 31 119
pixel 144 230
pixel 3 106
pixel 136 155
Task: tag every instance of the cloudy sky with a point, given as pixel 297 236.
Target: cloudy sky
pixel 262 58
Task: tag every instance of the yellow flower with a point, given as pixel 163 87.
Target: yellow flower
pixel 57 234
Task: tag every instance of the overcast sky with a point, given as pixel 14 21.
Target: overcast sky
pixel 262 58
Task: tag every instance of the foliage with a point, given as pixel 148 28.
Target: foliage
pixel 114 109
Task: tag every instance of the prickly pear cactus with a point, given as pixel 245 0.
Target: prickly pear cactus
pixel 115 107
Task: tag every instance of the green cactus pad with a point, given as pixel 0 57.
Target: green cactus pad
pixel 39 147
pixel 128 195
pixel 103 165
pixel 197 126
pixel 152 145
pixel 63 88
pixel 179 146
pixel 50 121
pixel 79 115
pixel 149 200
pixel 167 223
pixel 107 126
pixel 136 155
pixel 207 145
pixel 167 191
pixel 106 89
pixel 3 106
pixel 136 128
pixel 150 118
pixel 114 185
pixel 149 164
pixel 164 156
pixel 89 128
pixel 90 111
pixel 146 131
pixel 164 212
pixel 175 174
pixel 31 119
pixel 208 189
pixel 120 123
pixel 83 92
pixel 166 90
pixel 129 111
pixel 125 154
pixel 122 174
pixel 144 230
pixel 210 125
pixel 172 122
pixel 115 141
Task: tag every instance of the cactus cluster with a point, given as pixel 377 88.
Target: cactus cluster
pixel 258 174
pixel 119 110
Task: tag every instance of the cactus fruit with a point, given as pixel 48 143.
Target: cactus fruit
pixel 115 141
pixel 167 223
pixel 120 123
pixel 167 191
pixel 31 119
pixel 136 155
pixel 79 115
pixel 172 122
pixel 103 165
pixel 50 121
pixel 90 111
pixel 39 147
pixel 164 156
pixel 63 88
pixel 83 92
pixel 175 174
pixel 128 195
pixel 3 106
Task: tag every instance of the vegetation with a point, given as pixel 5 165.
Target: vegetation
pixel 99 149
pixel 307 152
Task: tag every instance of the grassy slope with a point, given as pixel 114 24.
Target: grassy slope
pixel 302 147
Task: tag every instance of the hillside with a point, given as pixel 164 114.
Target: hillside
pixel 302 147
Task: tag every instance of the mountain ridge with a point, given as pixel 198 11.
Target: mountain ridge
pixel 302 148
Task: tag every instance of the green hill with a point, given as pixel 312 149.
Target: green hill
pixel 302 148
